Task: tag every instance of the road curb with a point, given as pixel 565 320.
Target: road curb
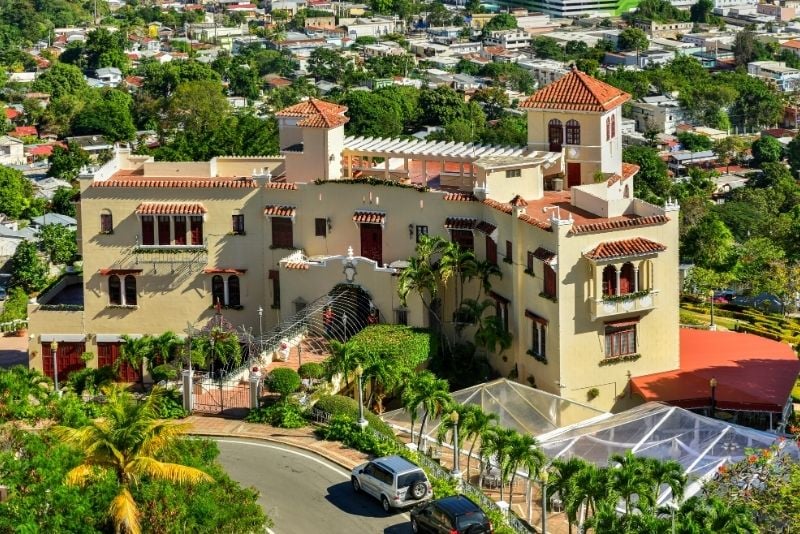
pixel 340 461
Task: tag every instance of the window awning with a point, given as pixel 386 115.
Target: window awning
pixel 280 211
pixel 224 270
pixel 369 217
pixel 460 223
pixel 485 227
pixel 536 318
pixel 62 338
pixel 630 321
pixel 499 298
pixel 170 208
pixel 120 272
pixel 626 248
pixel 109 338
pixel 542 254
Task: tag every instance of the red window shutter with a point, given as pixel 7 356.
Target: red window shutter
pixel 147 230
pixel 196 228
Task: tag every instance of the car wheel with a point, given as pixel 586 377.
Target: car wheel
pixel 356 485
pixel 385 502
pixel 415 526
pixel 417 490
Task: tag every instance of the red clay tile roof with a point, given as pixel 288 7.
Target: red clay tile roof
pixel 23 130
pixel 369 217
pixel 626 248
pixel 296 265
pixel 122 180
pixel 281 185
pixel 280 211
pixel 518 202
pixel 577 91
pixel 628 170
pixel 536 222
pixel 485 227
pixel 460 197
pixel 218 270
pixel 505 208
pixel 605 225
pixel 460 223
pixel 168 208
pixel 752 372
pixel 312 106
pixel 323 120
pixel 41 150
pixel 12 113
pixel 794 43
pixel 542 254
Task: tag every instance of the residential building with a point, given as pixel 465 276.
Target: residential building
pixel 640 59
pixel 371 27
pixel 792 46
pixel 109 76
pixel 54 218
pixel 784 78
pixel 12 151
pixel 508 39
pixel 93 144
pixel 544 71
pixel 659 113
pixel 569 8
pixel 664 29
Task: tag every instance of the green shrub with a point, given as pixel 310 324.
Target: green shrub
pixel 282 414
pixel 164 372
pixel 344 428
pixel 15 306
pixel 90 380
pixel 341 405
pixel 170 405
pixel 283 381
pixel 311 370
pixel 70 410
pixel 24 394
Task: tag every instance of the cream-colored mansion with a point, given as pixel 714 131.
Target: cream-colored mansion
pixel 590 274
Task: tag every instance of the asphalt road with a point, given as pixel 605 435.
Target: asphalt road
pixel 304 493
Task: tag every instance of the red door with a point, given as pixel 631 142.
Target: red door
pixel 68 360
pixel 372 242
pixel 107 354
pixel 573 174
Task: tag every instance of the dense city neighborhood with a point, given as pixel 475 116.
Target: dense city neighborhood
pixel 400 266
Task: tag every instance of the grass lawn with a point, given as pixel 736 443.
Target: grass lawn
pixel 690 317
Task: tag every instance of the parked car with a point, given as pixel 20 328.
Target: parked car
pixel 394 481
pixel 450 515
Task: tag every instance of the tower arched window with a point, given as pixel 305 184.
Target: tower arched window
pixel 130 290
pixel 609 281
pixel 627 279
pixel 114 290
pixel 555 135
pixel 217 290
pixel 234 294
pixel 613 126
pixel 573 132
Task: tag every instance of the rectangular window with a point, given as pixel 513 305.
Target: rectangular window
pixel 180 230
pixel 148 228
pixel 320 227
pixel 620 341
pixel 164 237
pixel 509 251
pixel 491 251
pixel 463 238
pixel 421 231
pixel 282 232
pixel 529 262
pixel 106 225
pixel 401 317
pixel 501 308
pixel 549 281
pixel 274 277
pixel 196 228
pixel 538 339
pixel 513 173
pixel 237 223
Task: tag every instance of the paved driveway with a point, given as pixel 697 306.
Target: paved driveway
pixel 304 493
pixel 13 351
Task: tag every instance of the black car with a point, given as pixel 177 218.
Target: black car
pixel 451 515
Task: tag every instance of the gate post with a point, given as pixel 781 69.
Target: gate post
pixel 255 387
pixel 188 400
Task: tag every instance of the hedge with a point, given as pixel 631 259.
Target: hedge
pixel 341 405
pixel 408 346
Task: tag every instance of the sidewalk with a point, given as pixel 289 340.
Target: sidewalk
pixel 302 438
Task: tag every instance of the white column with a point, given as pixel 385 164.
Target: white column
pixel 619 273
pixel 540 331
pixel 225 292
pixel 635 279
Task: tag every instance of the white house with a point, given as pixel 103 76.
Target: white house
pixel 661 113
pixel 11 151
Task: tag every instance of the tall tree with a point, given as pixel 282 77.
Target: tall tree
pixel 58 242
pixel 16 192
pixel 127 442
pixel 652 183
pixel 632 39
pixel 766 149
pixel 65 163
pixel 28 271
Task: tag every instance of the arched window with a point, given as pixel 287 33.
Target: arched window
pixel 106 222
pixel 217 290
pixel 114 290
pixel 608 129
pixel 627 279
pixel 555 135
pixel 613 126
pixel 130 290
pixel 609 281
pixel 573 132
pixel 626 193
pixel 234 295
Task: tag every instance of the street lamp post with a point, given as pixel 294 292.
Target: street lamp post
pixel 543 477
pixel 260 332
pixel 711 298
pixel 456 472
pixel 713 384
pixel 362 422
pixel 54 353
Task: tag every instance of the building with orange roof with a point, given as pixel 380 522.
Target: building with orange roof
pixel 589 288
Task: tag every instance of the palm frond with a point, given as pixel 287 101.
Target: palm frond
pixel 179 474
pixel 124 513
pixel 79 475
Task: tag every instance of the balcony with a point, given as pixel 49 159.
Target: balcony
pixel 617 305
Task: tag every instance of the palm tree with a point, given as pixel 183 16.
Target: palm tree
pixel 526 454
pixel 590 488
pixel 218 345
pixel 385 375
pixel 631 478
pixel 716 515
pixel 668 473
pixel 471 311
pixel 433 395
pixel 605 518
pixel 484 271
pixel 163 349
pixel 446 424
pixel 476 422
pixel 127 441
pixel 497 443
pixel 342 361
pixel 493 334
pixel 562 480
pixel 133 351
pixel 457 263
pixel 421 276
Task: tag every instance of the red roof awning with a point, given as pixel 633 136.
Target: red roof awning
pixel 219 270
pixel 542 254
pixel 280 211
pixel 485 227
pixel 369 217
pixel 109 271
pixel 169 208
pixel 536 318
pixel 460 223
pixel 498 297
pixel 753 373
pixel 625 248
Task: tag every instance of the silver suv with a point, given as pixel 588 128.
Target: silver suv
pixel 393 480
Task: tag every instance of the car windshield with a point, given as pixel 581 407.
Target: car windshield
pixel 407 479
pixel 469 521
